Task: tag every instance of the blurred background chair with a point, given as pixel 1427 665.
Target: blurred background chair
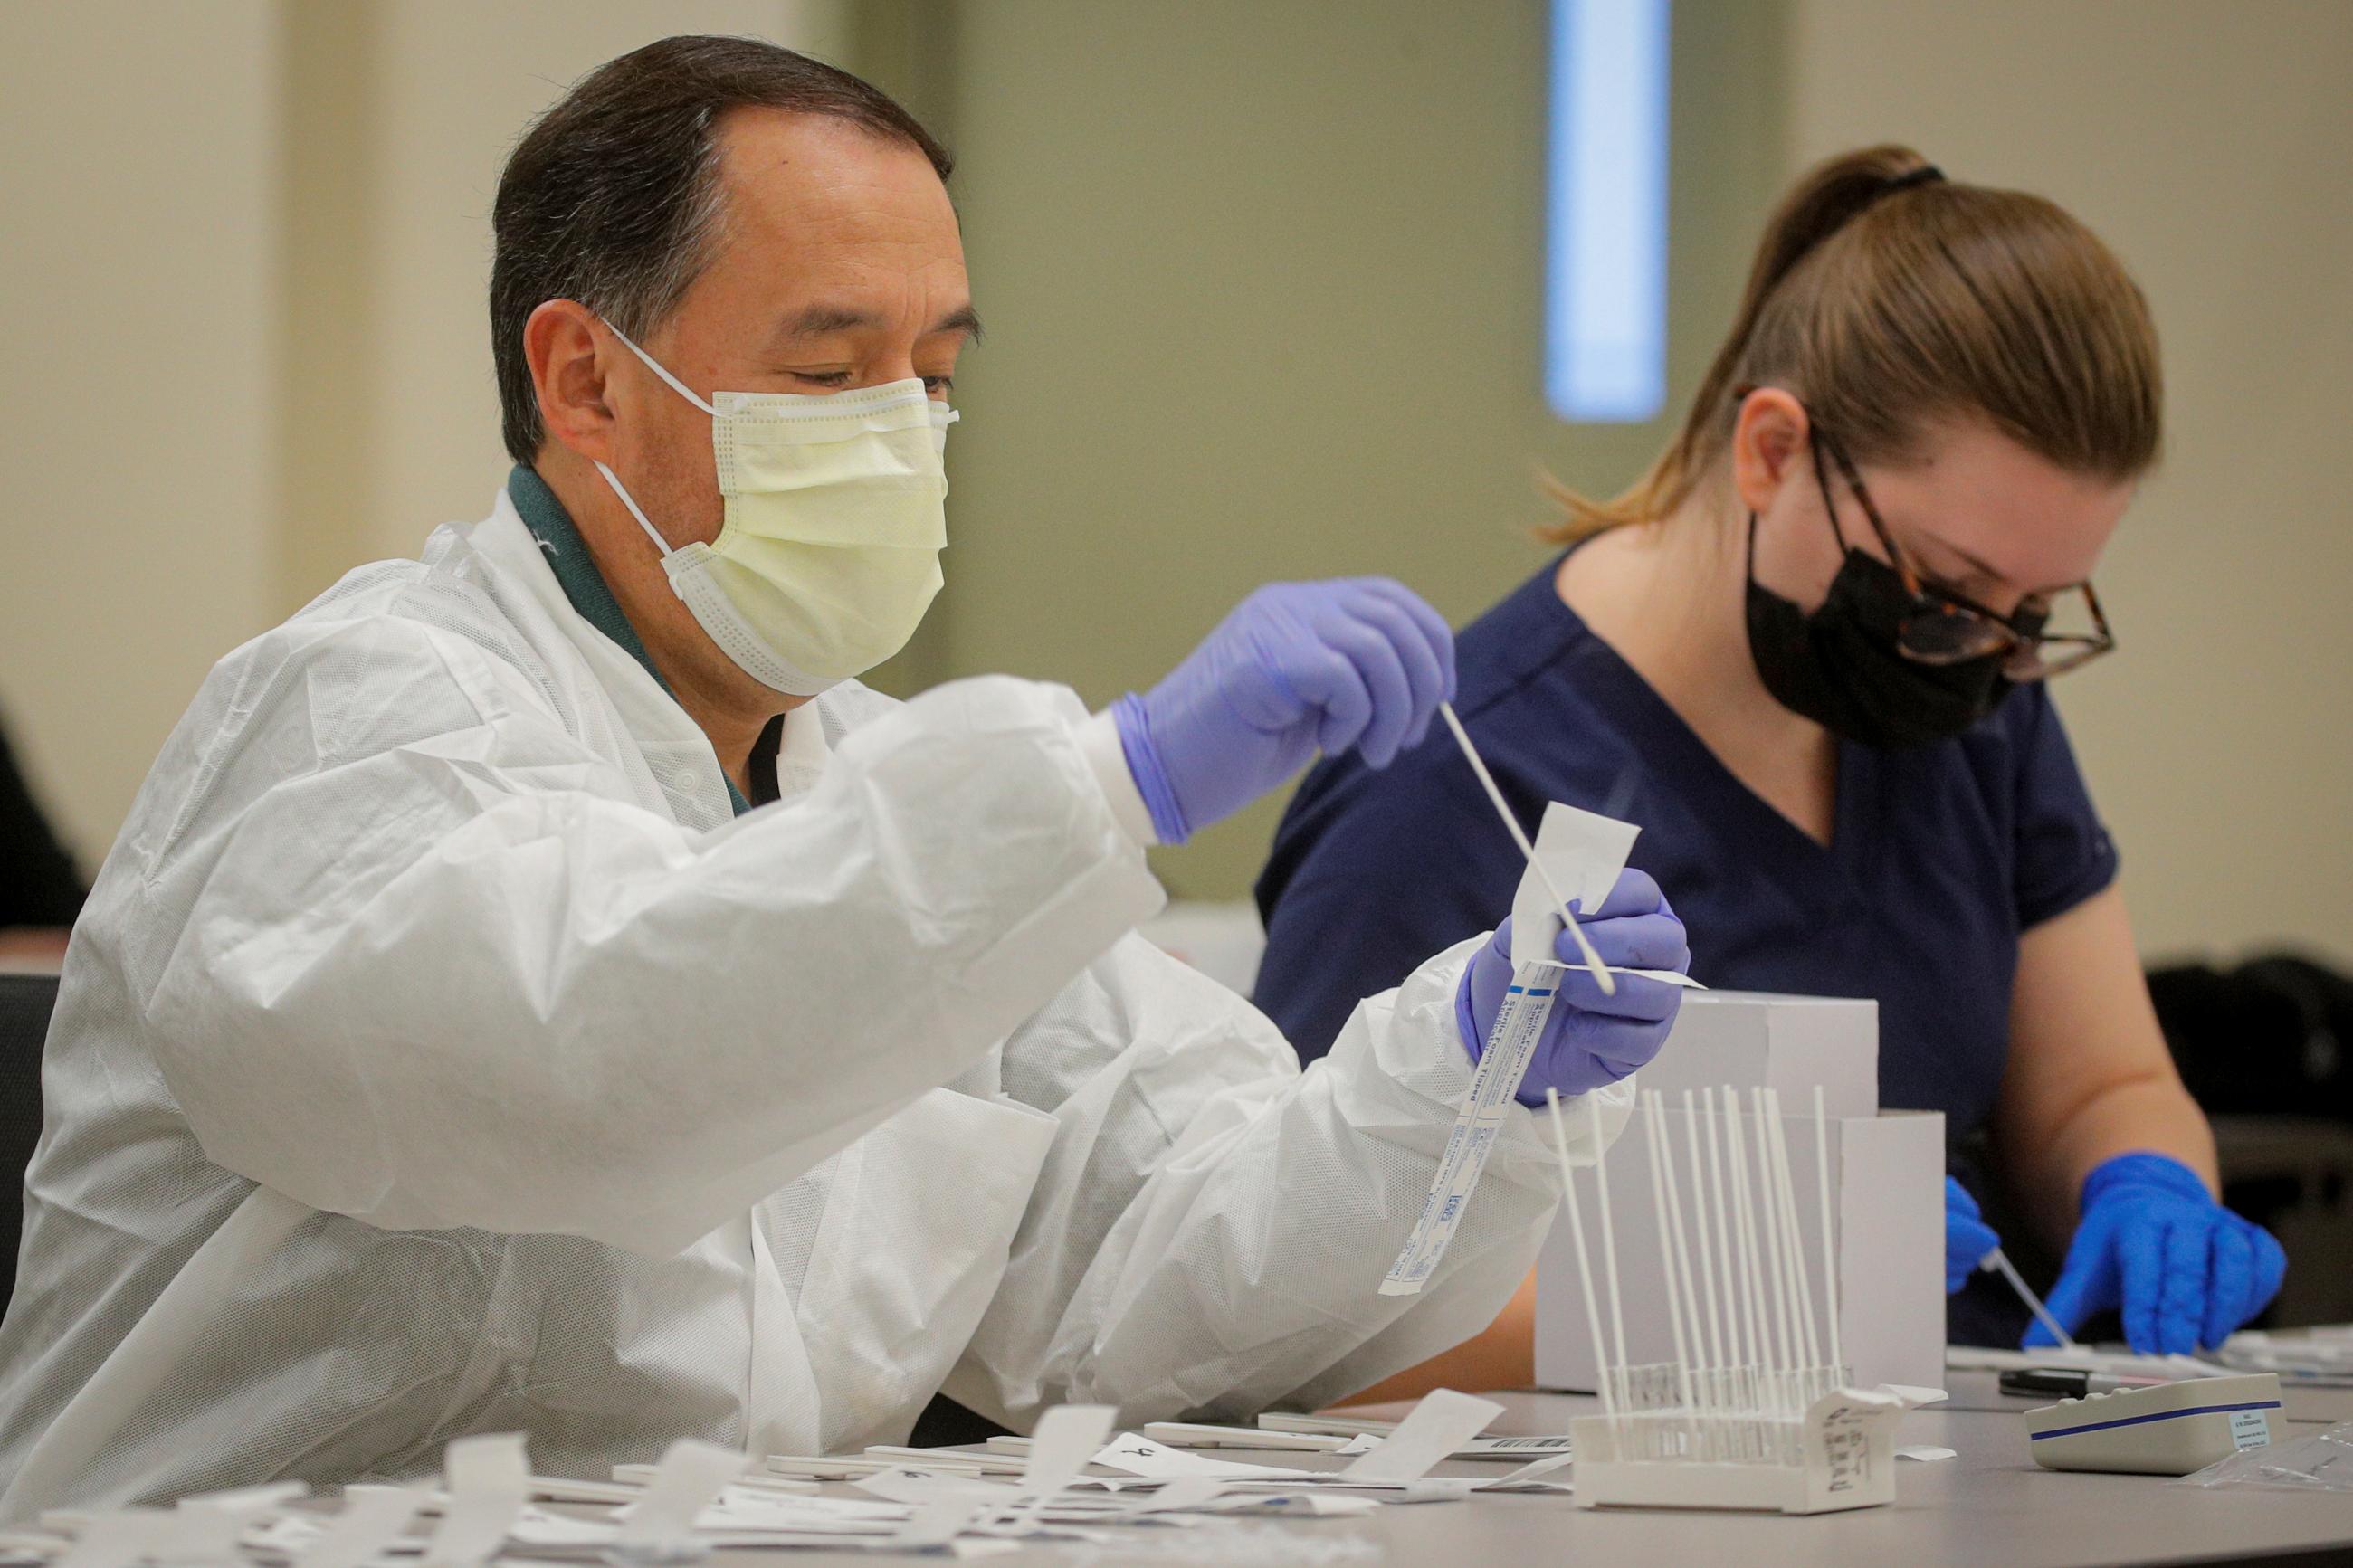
pixel 26 1002
pixel 2268 1048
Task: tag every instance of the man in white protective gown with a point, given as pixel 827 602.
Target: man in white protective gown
pixel 537 988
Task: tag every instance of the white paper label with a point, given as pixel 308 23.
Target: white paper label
pixel 1582 852
pixel 2251 1428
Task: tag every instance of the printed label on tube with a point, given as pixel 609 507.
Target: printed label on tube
pixel 1511 1045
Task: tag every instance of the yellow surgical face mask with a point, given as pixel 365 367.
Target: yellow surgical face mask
pixel 836 515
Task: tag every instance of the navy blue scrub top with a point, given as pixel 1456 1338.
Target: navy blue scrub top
pixel 1939 857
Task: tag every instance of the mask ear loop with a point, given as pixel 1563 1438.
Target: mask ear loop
pixel 655 365
pixel 1821 482
pixel 660 544
pixel 1813 446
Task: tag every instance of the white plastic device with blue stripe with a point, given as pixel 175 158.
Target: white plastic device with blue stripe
pixel 2168 1430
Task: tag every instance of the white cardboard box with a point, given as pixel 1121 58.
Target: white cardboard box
pixel 1887 1175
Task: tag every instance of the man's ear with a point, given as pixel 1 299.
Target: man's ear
pixel 1768 446
pixel 560 344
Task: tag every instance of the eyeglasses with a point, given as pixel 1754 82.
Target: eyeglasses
pixel 2048 634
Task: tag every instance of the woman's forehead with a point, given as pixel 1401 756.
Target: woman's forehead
pixel 1981 503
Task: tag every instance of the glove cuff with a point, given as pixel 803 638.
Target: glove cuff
pixel 2143 1169
pixel 1466 1017
pixel 1144 765
pixel 1466 1022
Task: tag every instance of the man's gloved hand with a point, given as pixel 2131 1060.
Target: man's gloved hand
pixel 1967 1237
pixel 1297 667
pixel 1590 1039
pixel 2152 1242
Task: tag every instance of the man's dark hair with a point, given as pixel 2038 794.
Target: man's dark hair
pixel 612 197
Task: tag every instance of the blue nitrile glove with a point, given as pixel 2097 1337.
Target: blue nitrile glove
pixel 1590 1039
pixel 2152 1242
pixel 1359 661
pixel 1967 1237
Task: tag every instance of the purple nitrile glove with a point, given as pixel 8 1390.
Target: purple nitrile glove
pixel 1590 1039
pixel 1967 1237
pixel 1297 667
pixel 2152 1242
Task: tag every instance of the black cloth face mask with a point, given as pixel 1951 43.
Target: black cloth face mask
pixel 1840 666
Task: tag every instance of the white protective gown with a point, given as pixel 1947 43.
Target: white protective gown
pixel 438 1055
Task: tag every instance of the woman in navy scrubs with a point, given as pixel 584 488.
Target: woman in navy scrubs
pixel 1808 655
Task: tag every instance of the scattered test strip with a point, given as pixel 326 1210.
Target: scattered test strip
pixel 1341 1426
pixel 632 1479
pixel 851 1467
pixel 690 1478
pixel 1193 1435
pixel 1196 1436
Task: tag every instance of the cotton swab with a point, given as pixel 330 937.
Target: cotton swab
pixel 1699 1217
pixel 1601 971
pixel 1798 1271
pixel 1609 1236
pixel 1758 1340
pixel 1829 1252
pixel 1998 1259
pixel 1769 1240
pixel 1727 1253
pixel 1584 1261
pixel 1682 1254
pixel 1800 1278
pixel 1654 1134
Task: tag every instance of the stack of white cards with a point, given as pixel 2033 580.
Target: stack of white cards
pixel 1077 1479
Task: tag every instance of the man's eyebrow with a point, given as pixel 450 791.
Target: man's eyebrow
pixel 964 319
pixel 820 320
pixel 817 321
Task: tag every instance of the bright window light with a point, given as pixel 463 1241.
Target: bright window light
pixel 1606 242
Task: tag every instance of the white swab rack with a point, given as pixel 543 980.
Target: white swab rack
pixel 1751 1413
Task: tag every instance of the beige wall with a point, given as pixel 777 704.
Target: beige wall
pixel 2207 141
pixel 1294 334
pixel 245 249
pixel 137 267
pixel 1262 296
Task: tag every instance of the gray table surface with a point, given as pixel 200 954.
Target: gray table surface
pixel 1991 1508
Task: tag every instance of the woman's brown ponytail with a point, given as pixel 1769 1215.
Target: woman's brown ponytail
pixel 1886 297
